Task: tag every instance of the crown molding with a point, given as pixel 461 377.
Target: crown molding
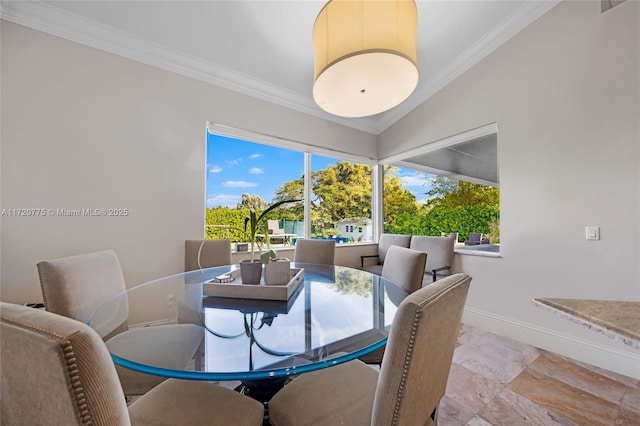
pixel 525 15
pixel 42 16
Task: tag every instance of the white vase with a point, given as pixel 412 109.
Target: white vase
pixel 277 272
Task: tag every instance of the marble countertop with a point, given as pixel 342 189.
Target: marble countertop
pixel 617 319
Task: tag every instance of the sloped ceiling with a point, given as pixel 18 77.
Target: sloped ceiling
pixel 263 48
pixel 475 160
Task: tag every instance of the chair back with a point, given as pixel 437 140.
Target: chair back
pixel 415 368
pixel 475 237
pixel 273 227
pixel 439 253
pixel 76 286
pixel 315 251
pixel 453 235
pixel 388 240
pixel 55 371
pixel 200 254
pixel 405 267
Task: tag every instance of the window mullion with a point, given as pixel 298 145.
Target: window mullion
pixel 307 195
pixel 377 187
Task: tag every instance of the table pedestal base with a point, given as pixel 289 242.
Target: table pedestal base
pixel 262 391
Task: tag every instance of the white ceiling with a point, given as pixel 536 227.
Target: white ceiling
pixel 474 160
pixel 263 48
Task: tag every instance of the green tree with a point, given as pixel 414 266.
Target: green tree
pixel 461 219
pixel 234 218
pixel 494 231
pixel 293 189
pixel 407 223
pixel 469 194
pixel 343 191
pixel 457 206
pixel 396 199
pixel 254 202
pixel 440 186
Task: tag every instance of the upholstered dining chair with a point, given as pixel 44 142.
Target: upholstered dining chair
pixel 412 378
pixel 315 251
pixel 405 267
pixel 57 371
pixel 200 254
pixel 76 286
pixel 439 255
pixel 385 241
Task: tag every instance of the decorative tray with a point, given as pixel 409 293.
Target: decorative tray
pixel 252 305
pixel 231 285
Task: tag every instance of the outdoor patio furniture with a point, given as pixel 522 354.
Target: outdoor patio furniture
pixel 273 228
pixel 475 238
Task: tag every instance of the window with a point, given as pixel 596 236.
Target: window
pixel 244 175
pixel 341 200
pixel 453 189
pixel 445 187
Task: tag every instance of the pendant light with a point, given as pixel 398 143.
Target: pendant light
pixel 365 56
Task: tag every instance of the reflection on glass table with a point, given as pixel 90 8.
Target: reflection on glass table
pixel 336 314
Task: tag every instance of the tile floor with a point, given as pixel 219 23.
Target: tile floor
pixel 497 381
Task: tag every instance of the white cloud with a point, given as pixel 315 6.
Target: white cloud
pixel 256 170
pixel 238 184
pixel 254 156
pixel 224 200
pixel 417 179
pixel 215 169
pixel 234 162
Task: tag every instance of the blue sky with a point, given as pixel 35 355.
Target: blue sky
pixel 235 167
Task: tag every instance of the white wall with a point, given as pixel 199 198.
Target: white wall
pixel 82 128
pixel 565 94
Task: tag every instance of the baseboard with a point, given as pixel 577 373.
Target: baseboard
pixel 608 358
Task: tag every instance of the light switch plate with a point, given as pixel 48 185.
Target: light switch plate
pixel 593 232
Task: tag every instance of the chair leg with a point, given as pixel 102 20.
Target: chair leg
pixel 434 414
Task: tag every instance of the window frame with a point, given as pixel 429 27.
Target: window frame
pixel 309 150
pixel 479 132
pixel 377 165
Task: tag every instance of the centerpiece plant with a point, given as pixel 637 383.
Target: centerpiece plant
pixel 252 224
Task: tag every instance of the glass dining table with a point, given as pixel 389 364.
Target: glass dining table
pixel 169 327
